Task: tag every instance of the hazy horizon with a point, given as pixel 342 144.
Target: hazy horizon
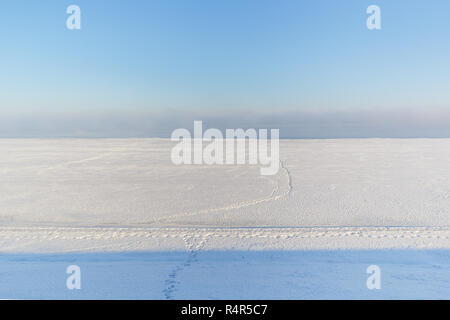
pixel 430 123
pixel 310 69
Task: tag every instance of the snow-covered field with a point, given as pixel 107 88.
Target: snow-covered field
pixel 140 227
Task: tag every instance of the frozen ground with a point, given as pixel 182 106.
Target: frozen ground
pixel 141 227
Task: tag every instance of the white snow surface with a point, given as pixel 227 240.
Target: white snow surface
pixel 141 227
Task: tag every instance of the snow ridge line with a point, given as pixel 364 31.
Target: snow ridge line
pixel 196 240
pixel 202 234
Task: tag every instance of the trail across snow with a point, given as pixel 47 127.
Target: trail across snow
pixel 92 239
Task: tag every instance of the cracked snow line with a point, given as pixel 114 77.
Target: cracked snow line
pixel 272 197
pixel 62 165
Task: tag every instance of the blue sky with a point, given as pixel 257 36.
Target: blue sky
pixel 215 59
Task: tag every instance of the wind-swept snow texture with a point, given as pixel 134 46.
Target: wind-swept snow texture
pixel 141 227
